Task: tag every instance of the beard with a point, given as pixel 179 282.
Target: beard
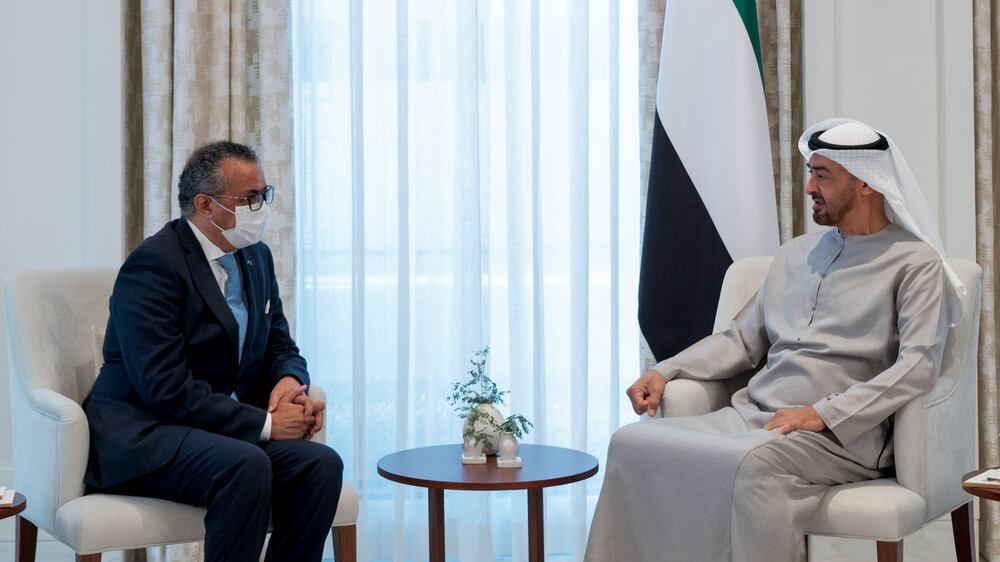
pixel 821 215
pixel 826 213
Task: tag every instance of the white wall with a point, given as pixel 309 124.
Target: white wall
pixel 60 146
pixel 904 66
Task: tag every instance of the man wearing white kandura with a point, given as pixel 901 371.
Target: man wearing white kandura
pixel 849 325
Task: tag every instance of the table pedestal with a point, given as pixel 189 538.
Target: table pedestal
pixel 536 525
pixel 435 514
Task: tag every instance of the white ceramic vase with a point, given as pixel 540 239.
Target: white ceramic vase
pixel 472 449
pixel 508 446
pixel 491 444
pixel 508 451
pixel 472 453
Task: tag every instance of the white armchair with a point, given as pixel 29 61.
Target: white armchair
pixel 52 353
pixel 934 435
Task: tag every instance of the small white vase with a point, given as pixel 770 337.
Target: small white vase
pixel 490 446
pixel 508 451
pixel 472 453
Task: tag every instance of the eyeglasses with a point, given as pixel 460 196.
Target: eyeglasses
pixel 254 200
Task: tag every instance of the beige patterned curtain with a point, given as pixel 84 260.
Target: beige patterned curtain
pixel 780 23
pixel 650 38
pixel 986 53
pixel 197 71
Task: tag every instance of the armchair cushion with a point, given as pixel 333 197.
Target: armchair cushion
pixel 102 522
pixel 873 509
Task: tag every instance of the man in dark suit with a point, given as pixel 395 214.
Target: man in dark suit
pixel 201 399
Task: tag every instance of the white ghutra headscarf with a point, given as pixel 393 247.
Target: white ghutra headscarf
pixel 874 158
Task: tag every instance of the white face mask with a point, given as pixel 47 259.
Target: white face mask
pixel 250 225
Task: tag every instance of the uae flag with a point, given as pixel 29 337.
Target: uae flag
pixel 711 189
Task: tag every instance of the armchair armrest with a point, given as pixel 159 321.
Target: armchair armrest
pixel 316 393
pixel 689 397
pixel 686 397
pixel 50 450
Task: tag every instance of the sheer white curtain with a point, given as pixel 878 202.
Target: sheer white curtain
pixel 467 175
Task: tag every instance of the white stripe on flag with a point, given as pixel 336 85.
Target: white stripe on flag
pixel 711 103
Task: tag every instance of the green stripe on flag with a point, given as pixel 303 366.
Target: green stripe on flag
pixel 748 12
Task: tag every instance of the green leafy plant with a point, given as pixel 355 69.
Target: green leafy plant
pixel 478 390
pixel 516 424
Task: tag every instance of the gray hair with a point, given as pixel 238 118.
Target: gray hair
pixel 203 171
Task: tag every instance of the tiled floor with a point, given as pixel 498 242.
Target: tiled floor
pixel 934 543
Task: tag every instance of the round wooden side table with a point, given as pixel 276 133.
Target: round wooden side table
pixel 440 468
pixel 985 493
pixel 20 540
pixel 19 504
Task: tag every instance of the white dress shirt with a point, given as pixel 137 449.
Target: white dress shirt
pixel 213 253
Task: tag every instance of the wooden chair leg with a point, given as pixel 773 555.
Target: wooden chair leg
pixel 25 540
pixel 963 527
pixel 345 543
pixel 890 551
pixel 88 557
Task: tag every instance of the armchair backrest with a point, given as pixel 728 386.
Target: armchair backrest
pixel 742 281
pixel 935 435
pixel 49 318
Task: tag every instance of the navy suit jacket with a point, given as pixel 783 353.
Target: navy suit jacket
pixel 170 357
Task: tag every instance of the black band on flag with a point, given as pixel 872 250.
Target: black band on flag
pixel 683 256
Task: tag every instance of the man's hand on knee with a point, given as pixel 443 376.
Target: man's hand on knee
pixel 285 391
pixel 790 419
pixel 289 421
pixel 646 393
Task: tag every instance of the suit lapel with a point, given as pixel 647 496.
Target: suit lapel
pixel 205 281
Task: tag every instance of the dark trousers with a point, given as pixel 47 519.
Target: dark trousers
pixel 294 484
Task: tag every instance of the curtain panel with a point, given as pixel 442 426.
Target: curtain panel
pixel 986 68
pixel 468 175
pixel 194 72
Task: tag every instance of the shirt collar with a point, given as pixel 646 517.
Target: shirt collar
pixel 212 252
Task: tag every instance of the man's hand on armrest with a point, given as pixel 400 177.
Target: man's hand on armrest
pixel 646 393
pixel 790 419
